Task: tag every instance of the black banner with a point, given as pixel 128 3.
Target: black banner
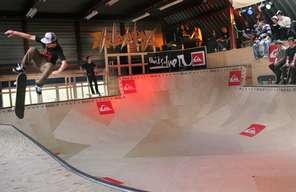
pixel 177 60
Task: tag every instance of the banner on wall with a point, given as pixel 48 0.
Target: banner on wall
pixel 128 86
pixel 272 53
pixel 177 60
pixel 105 107
pixel 235 78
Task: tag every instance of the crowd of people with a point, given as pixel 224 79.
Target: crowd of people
pixel 279 31
pixel 284 63
pixel 188 38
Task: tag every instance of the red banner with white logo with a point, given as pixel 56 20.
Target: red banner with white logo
pixel 105 107
pixel 253 130
pixel 128 86
pixel 272 53
pixel 235 78
pixel 198 58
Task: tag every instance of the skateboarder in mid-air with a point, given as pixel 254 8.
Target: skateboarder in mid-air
pixel 43 61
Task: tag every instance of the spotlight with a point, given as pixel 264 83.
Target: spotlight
pixel 250 11
pixel 268 5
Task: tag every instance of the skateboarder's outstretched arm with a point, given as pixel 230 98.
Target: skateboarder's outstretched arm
pixel 62 67
pixel 11 33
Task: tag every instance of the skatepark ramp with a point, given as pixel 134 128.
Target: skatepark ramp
pixel 29 166
pixel 188 131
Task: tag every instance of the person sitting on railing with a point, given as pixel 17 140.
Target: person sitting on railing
pixel 45 61
pixel 263 40
pixel 285 25
pixel 276 33
pixel 280 60
pixel 288 69
pixel 89 66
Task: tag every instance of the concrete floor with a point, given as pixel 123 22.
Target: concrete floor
pixel 178 132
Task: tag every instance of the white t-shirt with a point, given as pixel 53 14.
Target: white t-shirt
pixel 285 22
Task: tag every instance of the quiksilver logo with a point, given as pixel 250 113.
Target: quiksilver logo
pixel 251 131
pixel 128 87
pixel 234 78
pixel 273 53
pixel 105 108
pixel 197 59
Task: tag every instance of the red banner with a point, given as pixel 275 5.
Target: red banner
pixel 253 130
pixel 128 86
pixel 235 78
pixel 198 58
pixel 272 53
pixel 105 107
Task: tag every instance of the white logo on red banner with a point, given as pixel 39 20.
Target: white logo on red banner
pixel 105 107
pixel 198 58
pixel 235 78
pixel 129 86
pixel 253 130
pixel 272 53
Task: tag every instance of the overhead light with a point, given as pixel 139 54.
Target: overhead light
pixel 32 12
pixel 92 14
pixel 170 4
pixel 268 5
pixel 141 17
pixel 111 2
pixel 250 11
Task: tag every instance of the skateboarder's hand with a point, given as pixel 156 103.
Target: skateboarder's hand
pixel 9 33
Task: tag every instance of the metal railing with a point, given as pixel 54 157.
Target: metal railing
pixel 113 62
pixel 71 89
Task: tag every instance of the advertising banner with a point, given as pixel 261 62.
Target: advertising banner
pixel 235 78
pixel 253 130
pixel 128 86
pixel 272 53
pixel 177 60
pixel 105 107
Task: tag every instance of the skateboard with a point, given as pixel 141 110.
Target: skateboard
pixel 21 82
pixel 266 79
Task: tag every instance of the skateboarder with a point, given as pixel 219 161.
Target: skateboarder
pixel 91 76
pixel 43 61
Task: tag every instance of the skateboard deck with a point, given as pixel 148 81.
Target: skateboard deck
pixel 21 82
pixel 266 79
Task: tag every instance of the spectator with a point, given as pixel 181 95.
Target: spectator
pixel 89 66
pixel 280 60
pixel 224 41
pixel 263 40
pixel 276 33
pixel 248 36
pixel 212 42
pixel 284 23
pixel 197 36
pixel 289 68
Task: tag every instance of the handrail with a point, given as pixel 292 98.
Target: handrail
pixel 31 76
pixel 74 170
